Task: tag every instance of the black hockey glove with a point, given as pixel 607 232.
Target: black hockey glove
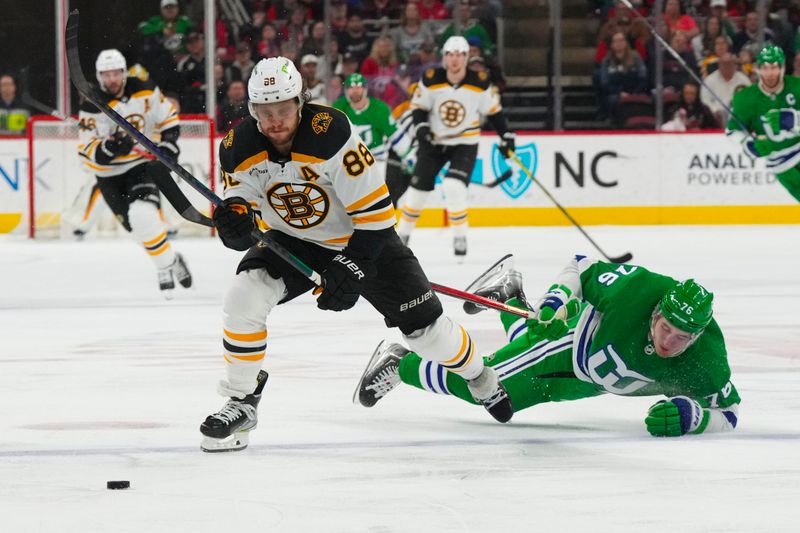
pixel 235 221
pixel 508 144
pixel 169 149
pixel 424 135
pixel 119 144
pixel 342 282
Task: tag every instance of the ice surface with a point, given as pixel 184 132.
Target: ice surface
pixel 101 379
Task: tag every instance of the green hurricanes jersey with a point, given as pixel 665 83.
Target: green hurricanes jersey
pixel 374 124
pixel 613 347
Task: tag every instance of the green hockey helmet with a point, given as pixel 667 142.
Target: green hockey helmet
pixel 771 54
pixel 687 306
pixel 355 80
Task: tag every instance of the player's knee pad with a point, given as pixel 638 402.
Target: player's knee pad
pixel 145 221
pixel 250 298
pixel 455 193
pixel 447 343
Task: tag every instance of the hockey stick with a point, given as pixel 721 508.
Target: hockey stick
pixel 624 258
pixel 505 176
pixel 691 73
pixel 89 93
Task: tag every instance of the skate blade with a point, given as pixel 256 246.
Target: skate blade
pixel 234 443
pixel 370 364
pixel 504 263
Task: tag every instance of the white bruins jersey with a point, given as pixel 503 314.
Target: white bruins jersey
pixel 455 112
pixel 143 105
pixel 321 192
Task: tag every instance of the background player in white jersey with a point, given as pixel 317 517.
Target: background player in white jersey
pixel 449 105
pixel 301 171
pixel 124 174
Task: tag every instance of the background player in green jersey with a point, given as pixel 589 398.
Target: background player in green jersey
pixel 601 328
pixel 770 111
pixel 374 123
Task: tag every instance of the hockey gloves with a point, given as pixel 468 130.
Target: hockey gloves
pixel 674 417
pixel 117 145
pixel 508 144
pixel 424 135
pixel 342 282
pixel 781 124
pixel 235 221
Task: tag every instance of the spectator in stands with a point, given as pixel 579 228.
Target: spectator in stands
pixel 330 65
pixel 675 75
pixel 722 46
pixel 487 12
pixel 338 16
pixel 719 9
pixel 426 58
pixel 315 44
pixel 234 106
pixel 432 10
pixel 335 88
pixel 294 31
pixel 192 70
pixel 381 10
pixel 13 114
pixel 350 65
pixel 242 64
pixel 703 43
pixel 355 40
pixel 676 21
pixel 724 83
pixel 634 29
pixel 621 72
pixel 689 113
pixel 290 51
pixel 308 70
pixel 380 69
pixel 269 45
pixel 748 37
pixel 219 82
pixel 412 33
pixel 489 64
pixel 170 28
pixel 466 25
pixel 746 60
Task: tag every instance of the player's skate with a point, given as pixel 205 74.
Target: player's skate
pixel 166 282
pixel 228 430
pixel 460 247
pixel 381 375
pixel 487 389
pixel 500 283
pixel 181 271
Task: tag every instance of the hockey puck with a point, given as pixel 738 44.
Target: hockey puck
pixel 114 485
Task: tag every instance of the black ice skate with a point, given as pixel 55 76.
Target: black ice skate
pixel 489 392
pixel 181 271
pixel 460 247
pixel 228 430
pixel 381 375
pixel 500 283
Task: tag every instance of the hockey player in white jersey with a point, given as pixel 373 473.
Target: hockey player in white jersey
pixel 449 106
pixel 301 171
pixel 124 174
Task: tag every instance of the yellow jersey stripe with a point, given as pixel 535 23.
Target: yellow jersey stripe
pixel 377 217
pixel 338 240
pixel 170 120
pixel 251 161
pixel 368 199
pixel 305 158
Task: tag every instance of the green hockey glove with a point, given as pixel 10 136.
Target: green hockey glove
pixel 674 417
pixel 558 303
pixel 552 330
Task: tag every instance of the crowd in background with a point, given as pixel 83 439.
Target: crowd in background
pixel 717 39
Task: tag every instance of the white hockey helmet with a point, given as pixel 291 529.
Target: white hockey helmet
pixel 111 59
pixel 456 44
pixel 274 79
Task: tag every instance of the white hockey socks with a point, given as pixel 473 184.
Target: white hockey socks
pixel 449 344
pixel 456 201
pixel 413 203
pixel 147 228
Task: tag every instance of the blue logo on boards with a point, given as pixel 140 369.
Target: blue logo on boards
pixel 517 184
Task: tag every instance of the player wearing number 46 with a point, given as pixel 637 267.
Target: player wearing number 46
pixel 124 175
pixel 300 171
pixel 448 107
pixel 770 110
pixel 601 328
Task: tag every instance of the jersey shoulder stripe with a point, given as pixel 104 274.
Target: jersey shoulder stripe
pixel 434 76
pixel 242 147
pixel 322 132
pixel 476 81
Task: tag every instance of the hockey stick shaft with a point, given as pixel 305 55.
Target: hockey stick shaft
pixel 691 73
pixel 624 258
pixel 486 302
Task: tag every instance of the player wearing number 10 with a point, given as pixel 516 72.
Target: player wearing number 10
pixel 601 328
pixel 300 171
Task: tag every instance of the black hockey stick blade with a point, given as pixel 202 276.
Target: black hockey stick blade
pixel 168 187
pixel 505 176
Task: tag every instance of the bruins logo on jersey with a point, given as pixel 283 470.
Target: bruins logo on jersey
pixel 452 113
pixel 320 122
pixel 302 206
pixel 136 120
pixel 227 142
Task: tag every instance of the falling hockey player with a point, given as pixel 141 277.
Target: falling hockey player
pixel 770 109
pixel 449 105
pixel 301 171
pixel 124 175
pixel 601 328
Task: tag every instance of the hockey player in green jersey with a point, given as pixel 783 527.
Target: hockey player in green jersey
pixel 770 110
pixel 601 328
pixel 374 123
